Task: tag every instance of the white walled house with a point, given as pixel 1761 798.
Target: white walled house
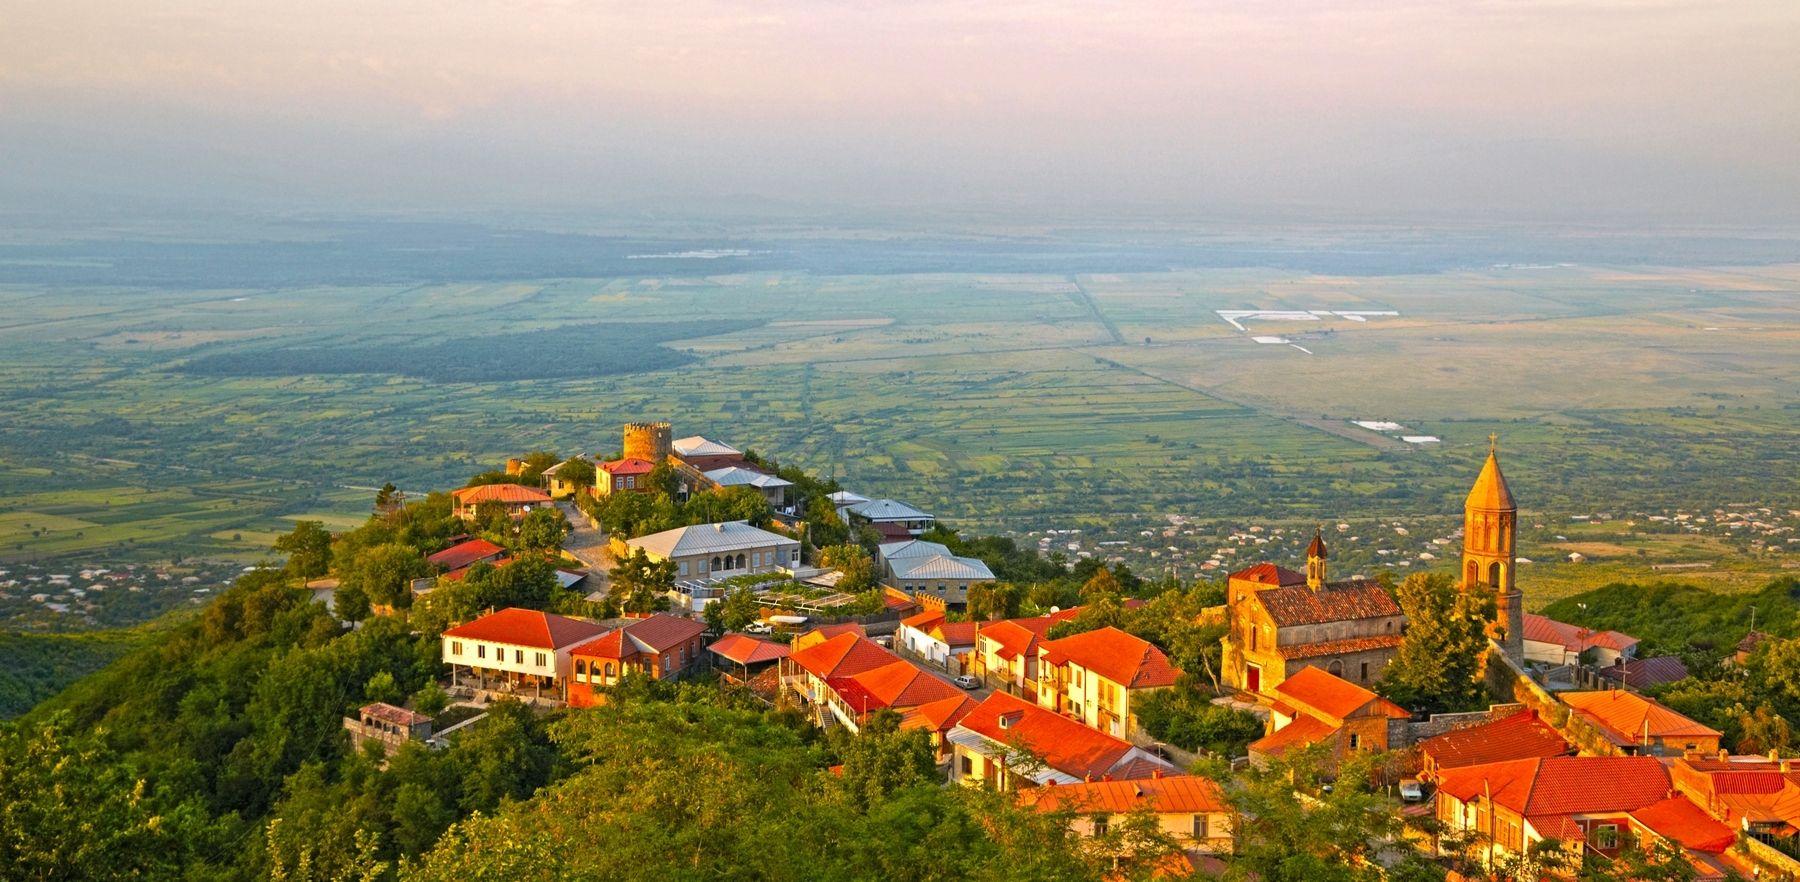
pixel 720 551
pixel 521 649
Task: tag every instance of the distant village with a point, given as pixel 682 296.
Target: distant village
pixel 1044 707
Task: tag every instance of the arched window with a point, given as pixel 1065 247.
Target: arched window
pixel 716 564
pixel 1474 574
pixel 740 562
pixel 1494 574
pixel 609 671
pixel 1335 669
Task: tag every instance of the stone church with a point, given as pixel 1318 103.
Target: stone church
pixel 1281 621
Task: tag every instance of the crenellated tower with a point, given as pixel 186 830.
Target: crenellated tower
pixel 1490 535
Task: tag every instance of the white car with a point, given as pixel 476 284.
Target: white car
pixel 1411 790
pixel 759 628
pixel 969 681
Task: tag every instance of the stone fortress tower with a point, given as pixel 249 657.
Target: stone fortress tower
pixel 1490 535
pixel 648 441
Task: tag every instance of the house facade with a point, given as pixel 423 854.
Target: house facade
pixel 928 572
pixel 1008 743
pixel 930 638
pixel 517 499
pixel 889 511
pixel 1314 707
pixel 1190 809
pixel 1551 642
pixel 521 650
pixel 1637 725
pixel 627 475
pixel 661 647
pixel 719 551
pixel 1096 675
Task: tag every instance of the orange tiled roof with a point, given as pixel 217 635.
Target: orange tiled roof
pixel 1127 660
pixel 1563 785
pixel 1679 820
pixel 956 633
pixel 1013 637
pixel 1574 638
pixel 457 575
pixel 842 656
pixel 894 685
pixel 463 554
pixel 1339 647
pixel 746 650
pixel 924 621
pixel 511 494
pixel 1627 719
pixel 619 467
pixel 1520 736
pixel 527 627
pixel 1334 602
pixel 939 715
pixel 1266 573
pixel 1335 698
pixel 1304 730
pixel 661 632
pixel 1063 744
pixel 1643 673
pixel 1167 794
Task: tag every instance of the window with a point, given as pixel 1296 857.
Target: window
pixel 518 656
pixel 1365 672
pixel 456 647
pixel 480 651
pixel 681 569
pixel 715 563
pixel 1100 825
pixel 795 556
pixel 1199 826
pixel 1355 741
pixel 968 765
pixel 538 660
pixel 1606 836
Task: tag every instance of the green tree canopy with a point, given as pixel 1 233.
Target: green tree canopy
pixel 1439 665
pixel 308 547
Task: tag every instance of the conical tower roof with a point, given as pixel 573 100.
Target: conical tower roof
pixel 1490 492
pixel 1317 548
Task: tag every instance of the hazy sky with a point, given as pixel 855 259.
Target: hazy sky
pixel 1662 109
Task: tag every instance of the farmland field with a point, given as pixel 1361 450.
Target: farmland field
pixel 1017 394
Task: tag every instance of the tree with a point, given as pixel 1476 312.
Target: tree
pixel 857 567
pixel 543 530
pixel 385 574
pixel 738 608
pixel 493 519
pixel 1439 665
pixel 382 688
pixel 431 700
pixel 639 583
pixel 578 471
pixel 308 547
pixel 1102 586
pixel 994 600
pixel 351 603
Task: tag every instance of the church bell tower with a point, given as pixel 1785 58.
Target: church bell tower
pixel 1490 533
pixel 1315 561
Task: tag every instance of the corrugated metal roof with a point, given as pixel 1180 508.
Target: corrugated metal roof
pixel 888 510
pixel 709 539
pixel 733 476
pixel 695 445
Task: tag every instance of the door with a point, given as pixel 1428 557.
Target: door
pixel 1253 678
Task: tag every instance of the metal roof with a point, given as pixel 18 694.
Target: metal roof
pixel 888 510
pixel 709 539
pixel 733 476
pixel 695 445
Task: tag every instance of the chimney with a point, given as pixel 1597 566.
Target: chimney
pixel 1089 777
pixel 1156 774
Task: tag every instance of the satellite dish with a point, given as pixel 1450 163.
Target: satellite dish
pixel 1055 609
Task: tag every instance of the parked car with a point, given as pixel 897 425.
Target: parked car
pixel 759 628
pixel 969 681
pixel 1411 790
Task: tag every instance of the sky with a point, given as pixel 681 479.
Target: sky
pixel 1674 111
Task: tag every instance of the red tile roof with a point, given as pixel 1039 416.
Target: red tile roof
pixel 842 656
pixel 1304 730
pixel 1168 794
pixel 895 685
pixel 938 716
pixel 1015 638
pixel 1127 660
pixel 1520 736
pixel 399 716
pixel 464 553
pixel 830 631
pixel 1334 602
pixel 746 650
pixel 1627 719
pixel 1680 821
pixel 661 633
pixel 1063 744
pixel 1333 698
pixel 1266 573
pixel 527 627
pixel 511 494
pixel 1573 638
pixel 620 467
pixel 924 621
pixel 1339 647
pixel 956 633
pixel 1563 785
pixel 457 575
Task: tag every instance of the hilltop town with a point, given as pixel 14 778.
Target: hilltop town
pixel 1494 741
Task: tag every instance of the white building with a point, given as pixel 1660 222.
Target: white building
pixel 719 551
pixel 521 648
